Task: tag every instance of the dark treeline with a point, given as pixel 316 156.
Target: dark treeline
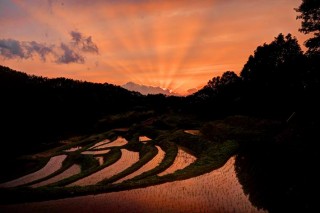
pixel 37 110
pixel 276 81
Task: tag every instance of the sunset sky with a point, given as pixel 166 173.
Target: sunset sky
pixel 174 44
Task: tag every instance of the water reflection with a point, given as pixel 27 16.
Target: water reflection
pixel 182 160
pixel 73 170
pixel 128 158
pixel 73 149
pixel 147 167
pixel 192 131
pixel 144 139
pixel 53 165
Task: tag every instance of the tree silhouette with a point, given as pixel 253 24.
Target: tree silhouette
pixel 274 76
pixel 310 15
pixel 275 61
pixel 224 87
pixel 218 97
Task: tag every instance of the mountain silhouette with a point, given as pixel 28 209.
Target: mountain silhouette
pixel 146 90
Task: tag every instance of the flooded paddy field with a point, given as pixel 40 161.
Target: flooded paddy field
pixel 126 160
pixel 217 191
pixel 134 174
pixel 73 170
pixel 53 165
pixel 148 166
pixel 183 159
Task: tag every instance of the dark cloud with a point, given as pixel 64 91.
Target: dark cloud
pixel 69 56
pixel 11 49
pixel 41 49
pixel 76 37
pixel 89 46
pixel 84 43
pixel 63 54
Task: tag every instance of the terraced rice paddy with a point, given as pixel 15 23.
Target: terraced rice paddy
pixel 148 166
pixel 73 149
pixel 127 159
pixel 217 191
pixel 53 165
pixel 73 170
pixel 144 139
pixel 120 141
pixel 100 143
pixel 192 132
pixel 95 152
pixel 182 160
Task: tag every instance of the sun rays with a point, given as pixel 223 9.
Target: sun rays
pixel 178 45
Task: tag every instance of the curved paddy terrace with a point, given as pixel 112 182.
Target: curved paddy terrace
pixel 120 141
pixel 148 166
pixel 95 152
pixel 73 170
pixel 183 159
pixel 73 149
pixel 192 132
pixel 54 164
pixel 144 139
pixel 127 159
pixel 106 141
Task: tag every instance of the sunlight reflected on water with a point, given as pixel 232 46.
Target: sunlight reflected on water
pixel 217 191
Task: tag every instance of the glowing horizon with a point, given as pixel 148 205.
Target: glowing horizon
pixel 177 45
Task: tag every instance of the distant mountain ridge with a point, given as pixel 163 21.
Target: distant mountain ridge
pixel 145 90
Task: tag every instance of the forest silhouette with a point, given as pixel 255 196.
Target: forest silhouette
pixel 278 82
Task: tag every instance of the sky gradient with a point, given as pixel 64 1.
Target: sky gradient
pixel 173 44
